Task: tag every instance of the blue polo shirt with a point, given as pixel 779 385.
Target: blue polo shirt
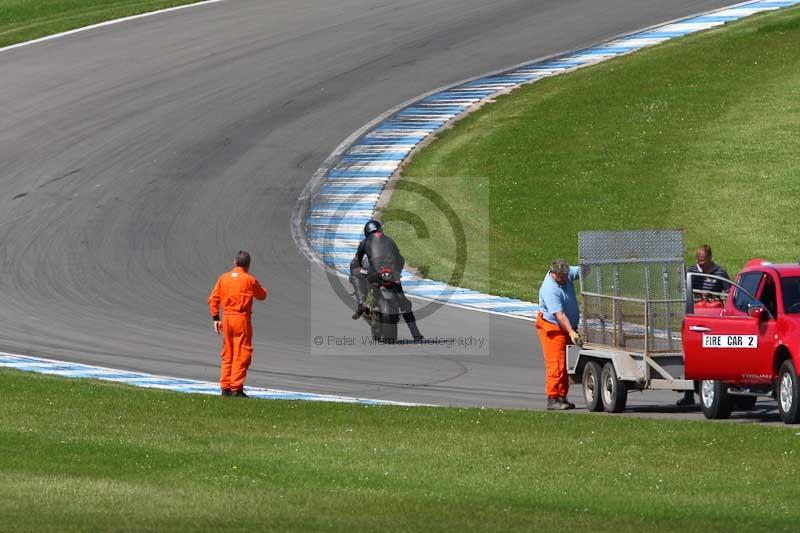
pixel 554 298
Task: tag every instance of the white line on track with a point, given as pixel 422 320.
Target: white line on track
pixel 107 23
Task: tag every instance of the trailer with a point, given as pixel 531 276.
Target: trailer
pixel 633 295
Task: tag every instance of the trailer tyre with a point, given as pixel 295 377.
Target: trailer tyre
pixel 614 391
pixel 591 386
pixel 714 399
pixel 788 393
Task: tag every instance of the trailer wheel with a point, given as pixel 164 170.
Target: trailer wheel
pixel 788 393
pixel 615 392
pixel 591 386
pixel 715 400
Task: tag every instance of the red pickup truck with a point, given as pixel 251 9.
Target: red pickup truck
pixel 748 346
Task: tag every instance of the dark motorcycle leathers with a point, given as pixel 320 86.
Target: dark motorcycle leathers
pixel 382 253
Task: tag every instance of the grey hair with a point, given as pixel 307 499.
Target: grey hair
pixel 559 266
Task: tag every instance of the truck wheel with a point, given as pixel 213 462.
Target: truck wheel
pixel 744 403
pixel 715 400
pixel 614 391
pixel 591 387
pixel 788 393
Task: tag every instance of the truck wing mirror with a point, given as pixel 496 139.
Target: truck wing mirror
pixel 756 310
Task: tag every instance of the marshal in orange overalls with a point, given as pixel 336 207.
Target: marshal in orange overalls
pixel 554 345
pixel 234 293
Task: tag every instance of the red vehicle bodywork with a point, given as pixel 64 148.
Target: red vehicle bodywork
pixel 741 349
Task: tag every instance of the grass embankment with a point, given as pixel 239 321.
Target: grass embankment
pixel 23 20
pixel 77 455
pixel 701 133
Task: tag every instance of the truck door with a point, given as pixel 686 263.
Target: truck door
pixel 756 365
pixel 733 346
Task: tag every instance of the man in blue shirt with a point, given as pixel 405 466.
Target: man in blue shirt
pixel 556 325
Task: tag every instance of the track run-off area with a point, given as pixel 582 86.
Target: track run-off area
pixel 139 157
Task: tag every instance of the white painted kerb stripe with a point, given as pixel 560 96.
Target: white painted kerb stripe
pixel 66 369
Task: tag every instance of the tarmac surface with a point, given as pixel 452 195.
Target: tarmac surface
pixel 137 158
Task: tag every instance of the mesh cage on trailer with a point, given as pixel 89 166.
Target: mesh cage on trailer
pixel 633 286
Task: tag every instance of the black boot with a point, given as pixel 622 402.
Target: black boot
pixel 411 321
pixel 359 311
pixel 557 404
pixel 359 283
pixel 687 400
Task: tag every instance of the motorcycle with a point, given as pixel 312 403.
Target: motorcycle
pixel 383 305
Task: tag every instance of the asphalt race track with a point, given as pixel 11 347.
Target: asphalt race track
pixel 135 159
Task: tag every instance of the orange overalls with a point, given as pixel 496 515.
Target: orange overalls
pixel 235 291
pixel 554 342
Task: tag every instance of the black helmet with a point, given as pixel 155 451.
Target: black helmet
pixel 371 227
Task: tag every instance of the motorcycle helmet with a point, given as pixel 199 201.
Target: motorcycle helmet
pixel 371 227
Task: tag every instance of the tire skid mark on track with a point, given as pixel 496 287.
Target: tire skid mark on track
pixel 390 144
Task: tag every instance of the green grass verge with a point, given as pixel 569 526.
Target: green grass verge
pixel 24 20
pixel 77 455
pixel 701 133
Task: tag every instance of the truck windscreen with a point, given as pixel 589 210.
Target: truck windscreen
pixel 791 294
